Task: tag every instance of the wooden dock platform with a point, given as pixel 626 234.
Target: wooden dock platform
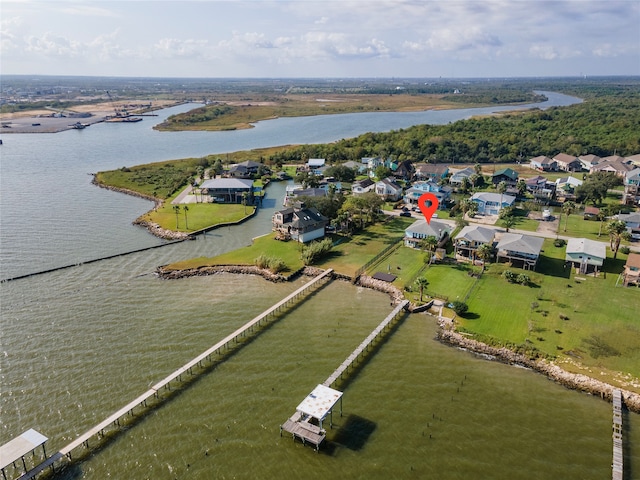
pixel 298 424
pixel 617 467
pixel 114 419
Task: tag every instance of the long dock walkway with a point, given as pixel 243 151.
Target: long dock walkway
pixel 344 366
pixel 175 376
pixel 299 425
pixel 617 467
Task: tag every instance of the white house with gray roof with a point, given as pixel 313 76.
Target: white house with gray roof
pixel 420 229
pixel 519 250
pixel 466 242
pixel 228 190
pixel 491 203
pixel 585 255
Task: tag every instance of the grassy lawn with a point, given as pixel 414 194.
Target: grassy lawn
pixel 198 215
pixel 351 253
pixel 584 319
pixel 288 252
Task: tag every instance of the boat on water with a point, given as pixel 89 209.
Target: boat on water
pixel 124 119
pixel 79 126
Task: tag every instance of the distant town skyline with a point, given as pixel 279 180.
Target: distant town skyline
pixel 329 38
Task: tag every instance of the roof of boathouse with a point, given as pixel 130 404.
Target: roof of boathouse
pixel 319 402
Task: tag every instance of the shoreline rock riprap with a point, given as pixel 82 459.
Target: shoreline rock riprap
pixel 574 381
pixel 153 228
pixel 445 334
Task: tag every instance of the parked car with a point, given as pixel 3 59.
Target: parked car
pixel 405 214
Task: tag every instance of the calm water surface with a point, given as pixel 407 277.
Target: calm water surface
pixel 77 344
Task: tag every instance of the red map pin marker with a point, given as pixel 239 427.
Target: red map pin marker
pixel 428 204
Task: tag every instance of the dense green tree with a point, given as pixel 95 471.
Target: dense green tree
pixel 617 230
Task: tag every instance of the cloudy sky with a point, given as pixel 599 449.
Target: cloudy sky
pixel 320 38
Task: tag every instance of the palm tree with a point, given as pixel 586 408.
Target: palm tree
pixel 508 221
pixel 185 209
pixel 485 252
pixel 422 283
pixel 176 208
pixel 245 196
pixel 568 208
pixel 617 230
pixel 429 244
pixel 501 187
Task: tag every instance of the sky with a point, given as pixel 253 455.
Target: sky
pixel 326 38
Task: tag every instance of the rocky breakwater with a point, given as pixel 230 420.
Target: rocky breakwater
pixel 215 269
pixel 381 286
pixel 574 381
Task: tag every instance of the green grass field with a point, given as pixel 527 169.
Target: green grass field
pixel 578 319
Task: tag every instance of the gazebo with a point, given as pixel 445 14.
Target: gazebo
pixel 306 423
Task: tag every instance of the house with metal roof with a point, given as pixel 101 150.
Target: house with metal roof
pixel 506 175
pixel 228 190
pixel 519 250
pixel 586 256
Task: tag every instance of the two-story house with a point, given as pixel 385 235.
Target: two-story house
pixel 442 192
pixel 506 175
pixel 632 188
pixel 491 203
pixel 228 190
pixel 585 255
pixel 388 189
pixel 470 238
pixel 567 163
pixel 431 171
pixel 519 250
pixel 544 164
pixel 300 223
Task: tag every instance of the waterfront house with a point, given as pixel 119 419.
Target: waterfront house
pixel 228 190
pixel 421 229
pixel 565 188
pixel 245 169
pixel 491 203
pixel 300 223
pixel 519 250
pixel 631 274
pixel 295 195
pixel 466 243
pixel 567 163
pixel 442 192
pixel 388 189
pixel 316 166
pixel 632 188
pixel 506 175
pixel 543 163
pixel 585 255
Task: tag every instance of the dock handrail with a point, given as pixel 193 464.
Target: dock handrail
pixel 140 400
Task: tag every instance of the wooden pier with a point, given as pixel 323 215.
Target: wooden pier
pixel 344 366
pixel 617 467
pixel 114 419
pixel 302 423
